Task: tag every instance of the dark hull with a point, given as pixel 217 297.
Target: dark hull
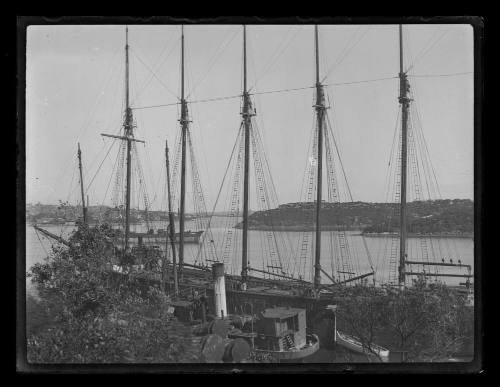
pixel 161 239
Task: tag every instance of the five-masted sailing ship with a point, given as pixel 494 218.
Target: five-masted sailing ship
pixel 296 279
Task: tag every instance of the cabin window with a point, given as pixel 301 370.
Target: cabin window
pixel 281 326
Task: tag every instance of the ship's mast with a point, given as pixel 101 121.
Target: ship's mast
pixel 184 127
pixel 128 134
pixel 128 126
pixel 320 111
pixel 84 208
pixel 405 102
pixel 171 226
pixel 246 114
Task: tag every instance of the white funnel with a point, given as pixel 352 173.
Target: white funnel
pixel 219 289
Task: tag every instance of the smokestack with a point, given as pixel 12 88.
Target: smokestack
pixel 219 289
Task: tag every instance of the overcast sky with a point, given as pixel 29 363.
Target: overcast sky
pixel 75 87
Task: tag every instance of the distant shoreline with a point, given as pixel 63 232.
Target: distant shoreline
pixel 353 231
pixel 415 235
pixel 299 228
pixel 302 228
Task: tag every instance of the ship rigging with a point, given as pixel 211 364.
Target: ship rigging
pixel 277 262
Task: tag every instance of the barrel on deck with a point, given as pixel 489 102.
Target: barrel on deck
pixel 212 349
pixel 236 351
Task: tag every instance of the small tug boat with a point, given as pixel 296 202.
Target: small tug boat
pixel 281 333
pixel 354 344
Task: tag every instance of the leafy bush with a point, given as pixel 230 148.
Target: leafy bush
pixel 429 321
pixel 98 316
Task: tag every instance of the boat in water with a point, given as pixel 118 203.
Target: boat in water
pixel 161 236
pixel 354 344
pixel 280 273
pixel 279 334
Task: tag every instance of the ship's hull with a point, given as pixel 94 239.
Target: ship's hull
pixel 293 354
pixel 152 239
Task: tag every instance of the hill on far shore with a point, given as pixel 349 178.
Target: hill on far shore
pixel 454 216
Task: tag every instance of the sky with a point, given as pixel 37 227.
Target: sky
pixel 75 92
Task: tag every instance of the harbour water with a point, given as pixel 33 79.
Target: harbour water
pixel 379 248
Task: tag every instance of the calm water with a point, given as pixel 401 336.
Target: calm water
pixel 38 247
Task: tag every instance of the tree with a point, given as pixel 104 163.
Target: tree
pixel 98 315
pixel 427 321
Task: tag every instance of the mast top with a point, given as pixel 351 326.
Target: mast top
pixel 182 64
pixel 244 59
pixel 317 53
pixel 404 84
pixel 128 112
pixel 401 72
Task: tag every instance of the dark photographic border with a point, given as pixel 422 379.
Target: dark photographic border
pixel 475 366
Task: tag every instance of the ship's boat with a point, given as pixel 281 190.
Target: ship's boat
pixel 354 344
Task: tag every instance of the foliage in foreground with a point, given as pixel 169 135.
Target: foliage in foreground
pixel 95 316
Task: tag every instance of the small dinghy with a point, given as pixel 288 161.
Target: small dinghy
pixel 352 343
